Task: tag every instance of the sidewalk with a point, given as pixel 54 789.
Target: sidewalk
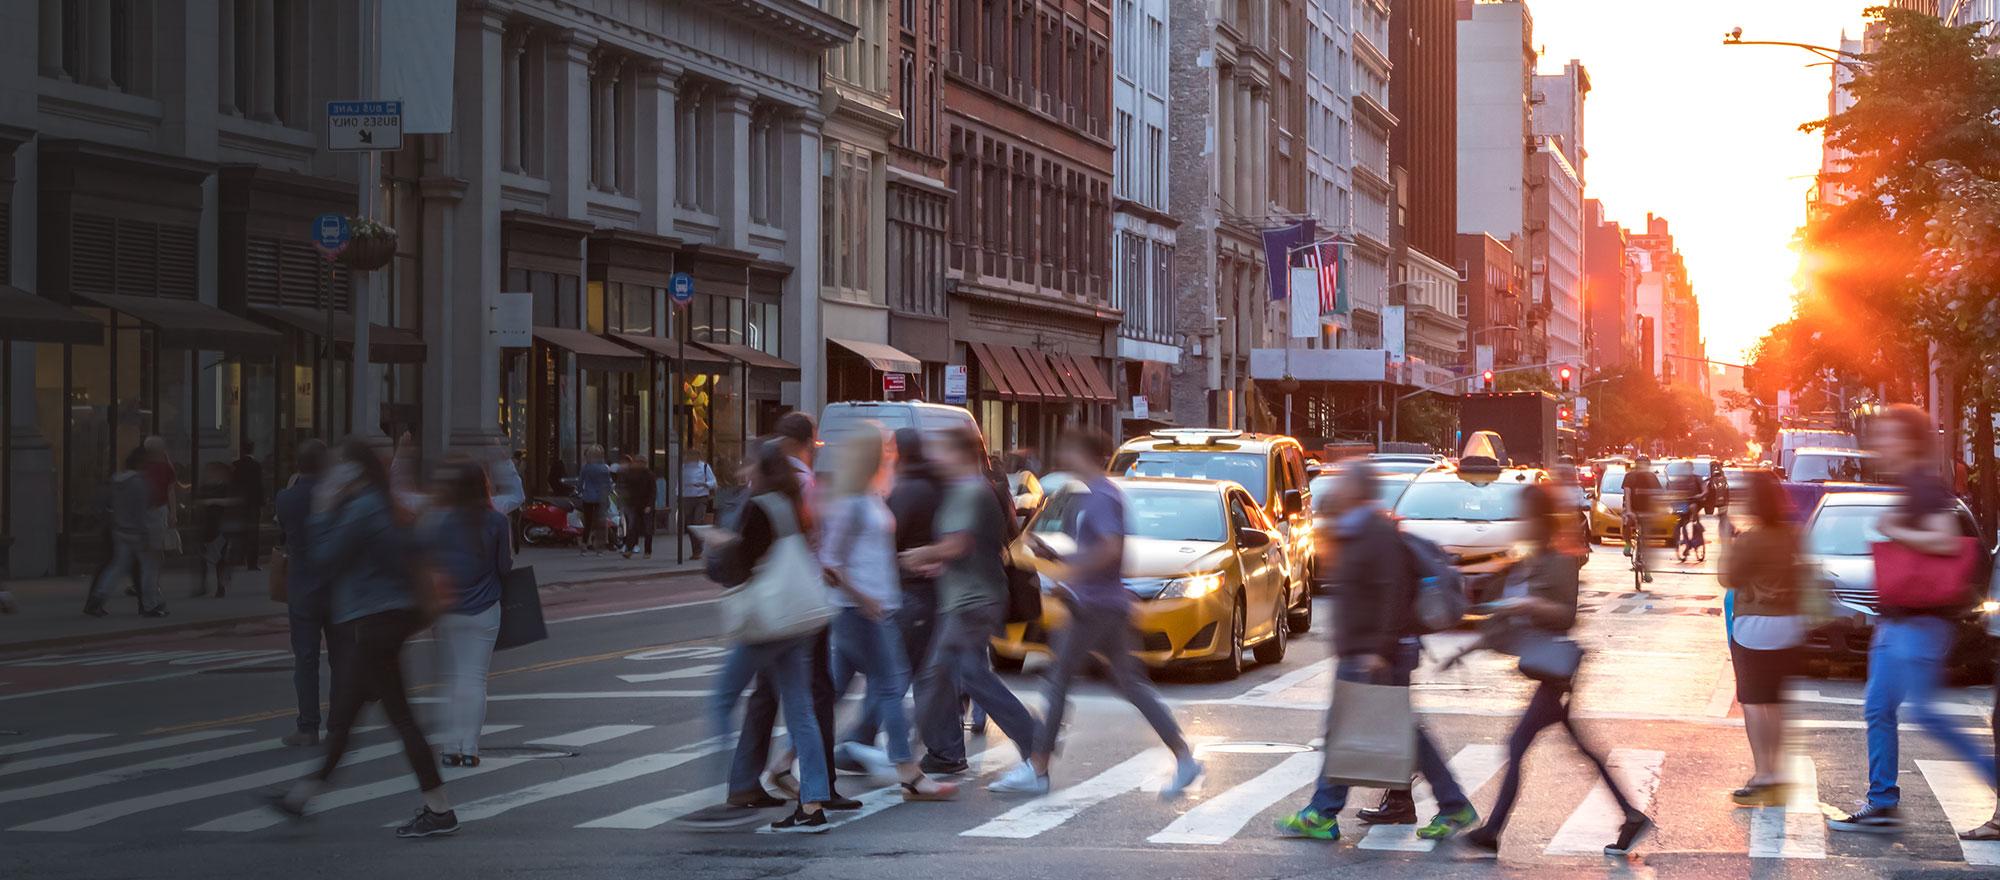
pixel 51 609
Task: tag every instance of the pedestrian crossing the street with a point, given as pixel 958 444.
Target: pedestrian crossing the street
pixel 624 780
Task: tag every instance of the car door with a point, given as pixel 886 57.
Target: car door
pixel 1263 567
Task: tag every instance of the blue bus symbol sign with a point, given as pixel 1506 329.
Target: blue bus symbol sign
pixel 330 233
pixel 681 288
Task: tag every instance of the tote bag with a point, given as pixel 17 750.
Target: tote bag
pixel 520 610
pixel 1371 736
pixel 786 595
pixel 1907 578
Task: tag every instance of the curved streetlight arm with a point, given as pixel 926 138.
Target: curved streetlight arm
pixel 1836 56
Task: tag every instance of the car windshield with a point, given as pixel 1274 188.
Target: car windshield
pixel 840 423
pixel 1160 514
pixel 1389 489
pixel 1401 465
pixel 1845 529
pixel 1245 468
pixel 1824 467
pixel 1612 483
pixel 1489 501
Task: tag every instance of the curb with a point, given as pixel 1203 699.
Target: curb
pixel 172 629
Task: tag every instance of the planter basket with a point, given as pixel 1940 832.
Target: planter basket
pixel 365 253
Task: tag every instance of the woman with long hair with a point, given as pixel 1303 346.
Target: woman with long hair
pixel 1766 629
pixel 776 512
pixel 1539 603
pixel 467 540
pixel 858 547
pixel 360 546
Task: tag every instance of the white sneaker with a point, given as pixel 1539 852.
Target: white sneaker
pixel 1185 773
pixel 873 761
pixel 1021 780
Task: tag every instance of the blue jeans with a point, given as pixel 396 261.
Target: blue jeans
pixel 958 664
pixel 1905 662
pixel 874 648
pixel 787 666
pixel 913 631
pixel 1330 797
pixel 311 617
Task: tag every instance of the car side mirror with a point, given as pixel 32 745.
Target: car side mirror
pixel 1252 539
pixel 1293 501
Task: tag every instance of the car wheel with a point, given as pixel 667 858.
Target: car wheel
pixel 1230 665
pixel 1302 619
pixel 1271 651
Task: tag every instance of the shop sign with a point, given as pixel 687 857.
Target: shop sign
pixel 954 383
pixel 513 320
pixel 302 395
pixel 894 383
pixel 1141 407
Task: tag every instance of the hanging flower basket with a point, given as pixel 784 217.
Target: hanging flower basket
pixel 370 247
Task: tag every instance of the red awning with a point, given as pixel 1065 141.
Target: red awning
pixel 993 371
pixel 1093 378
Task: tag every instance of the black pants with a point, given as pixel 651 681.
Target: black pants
pixel 248 540
pixel 310 618
pixel 592 514
pixel 375 674
pixel 1549 706
pixel 760 717
pixel 638 526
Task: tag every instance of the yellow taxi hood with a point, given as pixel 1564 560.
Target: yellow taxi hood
pixel 1154 558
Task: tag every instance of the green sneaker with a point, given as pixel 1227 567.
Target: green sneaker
pixel 1309 823
pixel 1444 825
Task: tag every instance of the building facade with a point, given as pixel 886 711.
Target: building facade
pixel 1329 146
pixel 1555 252
pixel 1496 68
pixel 1369 269
pixel 919 200
pixel 1143 229
pixel 1423 165
pixel 1610 291
pixel 1666 302
pixel 1495 292
pixel 1027 106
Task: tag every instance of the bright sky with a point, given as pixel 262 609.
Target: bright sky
pixel 1705 135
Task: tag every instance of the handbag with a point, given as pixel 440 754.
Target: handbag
pixel 1371 737
pixel 521 620
pixel 1909 578
pixel 279 568
pixel 1547 657
pixel 786 595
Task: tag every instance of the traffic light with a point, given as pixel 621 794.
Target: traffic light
pixel 1563 414
pixel 1486 381
pixel 1564 375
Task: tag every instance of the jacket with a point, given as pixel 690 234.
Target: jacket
pixel 1762 568
pixel 131 500
pixel 363 555
pixel 475 550
pixel 1552 576
pixel 914 502
pixel 1371 586
pixel 294 509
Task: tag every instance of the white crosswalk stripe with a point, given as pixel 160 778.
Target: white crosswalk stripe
pixel 644 765
pixel 1473 767
pixel 1057 807
pixel 891 795
pixel 52 742
pixel 264 817
pixel 1796 830
pixel 660 812
pixel 1967 800
pixel 135 771
pixel 1218 819
pixel 591 736
pixel 1595 822
pixel 145 745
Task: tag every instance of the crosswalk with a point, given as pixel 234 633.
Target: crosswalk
pixel 203 782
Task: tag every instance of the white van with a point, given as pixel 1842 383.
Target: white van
pixel 933 419
pixel 1791 440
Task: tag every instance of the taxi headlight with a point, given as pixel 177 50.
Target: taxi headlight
pixel 1989 606
pixel 1192 586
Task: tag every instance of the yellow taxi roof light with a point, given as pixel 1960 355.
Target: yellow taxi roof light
pixel 1195 436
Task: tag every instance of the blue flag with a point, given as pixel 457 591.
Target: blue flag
pixel 1281 246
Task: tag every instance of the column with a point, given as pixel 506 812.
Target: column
pixel 730 145
pixel 656 164
pixel 50 19
pixel 1260 114
pixel 1225 138
pixel 462 209
pixel 225 55
pixel 513 45
pixel 264 63
pixel 97 25
pixel 1246 153
pixel 568 88
pixel 606 142
pixel 798 161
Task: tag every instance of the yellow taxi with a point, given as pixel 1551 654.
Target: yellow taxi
pixel 1271 467
pixel 1607 510
pixel 1206 568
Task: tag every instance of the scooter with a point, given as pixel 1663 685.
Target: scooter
pixel 559 520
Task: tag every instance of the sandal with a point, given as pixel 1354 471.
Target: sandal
pixel 943 791
pixel 451 760
pixel 1988 831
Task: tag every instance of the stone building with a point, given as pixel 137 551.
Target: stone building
pixel 1143 230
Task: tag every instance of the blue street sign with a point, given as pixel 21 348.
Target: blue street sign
pixel 681 288
pixel 330 233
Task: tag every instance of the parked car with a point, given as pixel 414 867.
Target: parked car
pixel 933 419
pixel 1792 440
pixel 1837 540
pixel 1820 471
pixel 1206 564
pixel 1472 511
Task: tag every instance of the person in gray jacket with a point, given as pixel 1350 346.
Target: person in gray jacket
pixel 362 548
pixel 133 543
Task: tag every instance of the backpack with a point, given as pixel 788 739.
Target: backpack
pixel 1438 603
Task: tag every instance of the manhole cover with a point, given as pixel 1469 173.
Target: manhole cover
pixel 1257 748
pixel 10 733
pixel 528 753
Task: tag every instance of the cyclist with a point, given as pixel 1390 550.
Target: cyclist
pixel 1642 499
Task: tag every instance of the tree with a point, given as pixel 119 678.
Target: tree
pixel 1428 418
pixel 1525 380
pixel 1631 408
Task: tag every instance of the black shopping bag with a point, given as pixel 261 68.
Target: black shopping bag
pixel 520 610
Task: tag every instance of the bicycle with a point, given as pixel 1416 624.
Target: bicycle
pixel 1635 549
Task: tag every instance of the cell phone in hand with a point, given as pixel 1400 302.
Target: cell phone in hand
pixel 1041 549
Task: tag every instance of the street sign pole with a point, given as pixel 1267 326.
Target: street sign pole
pixel 365 419
pixel 680 292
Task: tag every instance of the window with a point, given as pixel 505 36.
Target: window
pixel 847 181
pixel 1128 151
pixel 691 121
pixel 106 44
pixel 1156 165
pixel 610 92
pixel 763 166
pixel 906 98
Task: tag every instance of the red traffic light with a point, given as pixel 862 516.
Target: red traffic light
pixel 1564 374
pixel 1486 380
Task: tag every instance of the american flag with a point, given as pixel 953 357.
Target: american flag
pixel 1324 258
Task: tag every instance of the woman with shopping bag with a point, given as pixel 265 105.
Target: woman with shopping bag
pixel 777 603
pixel 1766 629
pixel 1536 610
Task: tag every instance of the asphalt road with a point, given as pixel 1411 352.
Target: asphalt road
pixel 143 758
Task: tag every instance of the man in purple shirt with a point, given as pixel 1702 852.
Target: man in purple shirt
pixel 1100 612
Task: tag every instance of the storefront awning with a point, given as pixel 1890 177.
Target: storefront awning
pixel 749 356
pixel 993 371
pixel 1043 375
pixel 593 352
pixel 386 344
pixel 1019 376
pixel 668 348
pixel 1095 385
pixel 31 318
pixel 186 323
pixel 884 358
